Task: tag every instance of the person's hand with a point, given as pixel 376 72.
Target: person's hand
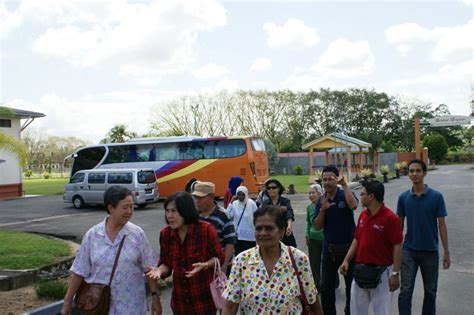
pixel 153 272
pixel 66 309
pixel 394 282
pixel 341 180
pixel 344 267
pixel 156 308
pixel 325 202
pixel 197 268
pixel 307 241
pixel 234 198
pixel 446 260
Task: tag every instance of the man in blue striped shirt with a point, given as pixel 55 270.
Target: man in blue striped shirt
pixel 210 212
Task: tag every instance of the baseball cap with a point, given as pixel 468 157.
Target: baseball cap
pixel 202 189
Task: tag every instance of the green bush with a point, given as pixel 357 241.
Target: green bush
pixel 28 173
pixel 52 289
pixel 459 157
pixel 298 170
pixel 437 146
pixel 46 175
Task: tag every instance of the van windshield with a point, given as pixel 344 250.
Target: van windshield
pixel 146 177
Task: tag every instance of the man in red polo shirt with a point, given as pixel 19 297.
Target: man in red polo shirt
pixel 378 246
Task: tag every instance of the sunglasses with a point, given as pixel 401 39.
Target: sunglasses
pixel 272 187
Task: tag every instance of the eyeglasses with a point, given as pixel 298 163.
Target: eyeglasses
pixel 272 187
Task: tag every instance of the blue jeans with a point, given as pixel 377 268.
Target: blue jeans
pixel 428 262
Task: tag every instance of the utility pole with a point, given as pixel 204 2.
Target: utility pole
pixel 417 138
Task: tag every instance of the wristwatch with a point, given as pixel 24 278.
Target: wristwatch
pixel 155 293
pixel 396 273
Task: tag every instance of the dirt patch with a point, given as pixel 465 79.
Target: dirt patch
pixel 20 300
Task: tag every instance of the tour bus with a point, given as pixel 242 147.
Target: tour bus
pixel 178 159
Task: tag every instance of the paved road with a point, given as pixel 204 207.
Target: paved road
pixel 456 285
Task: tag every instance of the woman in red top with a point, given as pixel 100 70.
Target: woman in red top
pixel 187 248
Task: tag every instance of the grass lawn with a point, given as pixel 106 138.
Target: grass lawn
pixel 52 186
pixel 300 182
pixel 24 251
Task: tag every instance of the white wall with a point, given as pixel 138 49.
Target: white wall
pixel 10 171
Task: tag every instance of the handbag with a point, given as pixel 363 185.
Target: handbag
pixel 368 276
pixel 302 296
pixel 94 298
pixel 217 285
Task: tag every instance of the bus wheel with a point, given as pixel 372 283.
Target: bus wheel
pixel 78 202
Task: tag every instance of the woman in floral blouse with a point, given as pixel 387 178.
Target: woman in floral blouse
pixel 263 280
pixel 95 259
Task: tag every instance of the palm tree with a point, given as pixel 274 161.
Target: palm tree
pixel 10 143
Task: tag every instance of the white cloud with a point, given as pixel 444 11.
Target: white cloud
pixel 261 65
pixel 345 59
pixel 92 116
pixel 210 71
pixel 294 34
pixel 450 84
pixel 135 39
pixel 450 42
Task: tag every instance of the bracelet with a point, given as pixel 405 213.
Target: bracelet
pixel 153 293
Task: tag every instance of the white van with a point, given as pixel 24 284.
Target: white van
pixel 88 186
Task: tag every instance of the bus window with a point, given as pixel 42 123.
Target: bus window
pixel 167 152
pixel 120 178
pixel 229 148
pixel 257 145
pixel 117 154
pixel 87 158
pixel 192 150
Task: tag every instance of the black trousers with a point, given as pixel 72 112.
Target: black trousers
pixel 329 273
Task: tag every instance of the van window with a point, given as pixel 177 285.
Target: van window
pixel 77 178
pixel 146 177
pixel 120 178
pixel 96 178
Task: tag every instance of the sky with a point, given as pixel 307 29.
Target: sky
pixel 89 65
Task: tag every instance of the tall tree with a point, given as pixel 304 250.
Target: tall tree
pixel 118 133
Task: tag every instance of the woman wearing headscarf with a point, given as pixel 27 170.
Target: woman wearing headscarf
pixel 241 211
pixel 234 182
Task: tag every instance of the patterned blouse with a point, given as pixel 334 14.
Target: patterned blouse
pixel 250 285
pixel 95 259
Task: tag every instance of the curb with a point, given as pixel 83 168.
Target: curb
pixel 15 279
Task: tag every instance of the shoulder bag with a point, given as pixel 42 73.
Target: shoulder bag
pixel 217 285
pixel 94 298
pixel 302 296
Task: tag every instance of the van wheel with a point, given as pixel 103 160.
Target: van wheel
pixel 141 206
pixel 78 202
